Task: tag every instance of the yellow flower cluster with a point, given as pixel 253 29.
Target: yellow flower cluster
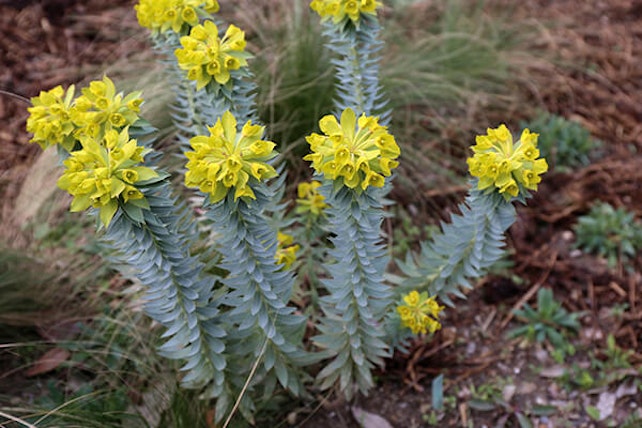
pixel 226 159
pixel 360 154
pixel 100 108
pixel 205 56
pixel 103 171
pixel 506 165
pixel 420 313
pixel 55 118
pixel 338 10
pixel 286 250
pixel 103 168
pixel 50 120
pixel 161 15
pixel 309 199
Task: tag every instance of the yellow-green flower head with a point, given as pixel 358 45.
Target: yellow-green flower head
pixel 360 154
pixel 227 159
pixel 286 250
pixel 100 108
pixel 50 119
pixel 509 166
pixel 205 56
pixel 163 15
pixel 309 199
pixel 420 313
pixel 339 10
pixel 104 172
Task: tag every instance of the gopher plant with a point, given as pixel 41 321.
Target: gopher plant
pixel 302 300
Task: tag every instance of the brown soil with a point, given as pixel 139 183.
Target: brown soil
pixel 596 80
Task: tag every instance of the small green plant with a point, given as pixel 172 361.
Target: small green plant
pixel 565 143
pixel 633 421
pixel 611 364
pixel 608 232
pixel 433 417
pixel 434 413
pixel 578 376
pixel 600 368
pixel 490 397
pixel 593 412
pixel 547 323
pixel 616 357
pixel 488 392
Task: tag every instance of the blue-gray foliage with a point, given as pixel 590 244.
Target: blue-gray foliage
pixel 352 326
pixel 357 67
pixel 193 111
pixel 263 325
pixel 260 326
pixel 239 333
pixel 179 293
pixel 464 249
pixel 351 330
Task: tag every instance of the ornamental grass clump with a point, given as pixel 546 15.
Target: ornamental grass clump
pixel 300 300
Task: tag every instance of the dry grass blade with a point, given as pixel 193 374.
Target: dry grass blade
pixel 15 419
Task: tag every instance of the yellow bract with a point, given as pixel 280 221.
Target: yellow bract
pixel 309 199
pixel 103 168
pixel 162 15
pixel 100 108
pixel 286 250
pixel 50 120
pixel 205 57
pixel 360 154
pixel 227 159
pixel 420 313
pixel 56 118
pixel 104 171
pixel 506 165
pixel 338 10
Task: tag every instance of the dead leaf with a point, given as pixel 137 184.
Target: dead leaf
pixel 526 388
pixel 626 389
pixel 369 420
pixel 64 330
pixel 605 405
pixel 49 361
pixel 508 392
pixel 553 372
